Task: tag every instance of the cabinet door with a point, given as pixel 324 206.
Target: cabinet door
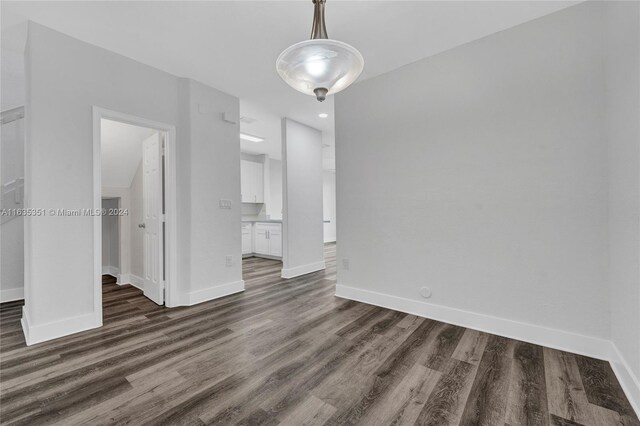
pixel 261 243
pixel 258 188
pixel 246 181
pixel 247 239
pixel 275 242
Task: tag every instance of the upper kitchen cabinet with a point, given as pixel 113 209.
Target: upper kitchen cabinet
pixel 252 181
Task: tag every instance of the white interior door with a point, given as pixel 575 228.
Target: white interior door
pixel 152 208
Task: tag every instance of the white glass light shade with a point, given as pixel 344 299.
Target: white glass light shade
pixel 320 64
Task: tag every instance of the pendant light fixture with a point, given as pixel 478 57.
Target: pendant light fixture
pixel 320 66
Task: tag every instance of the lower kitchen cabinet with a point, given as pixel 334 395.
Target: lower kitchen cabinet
pixel 247 238
pixel 262 238
pixel 267 239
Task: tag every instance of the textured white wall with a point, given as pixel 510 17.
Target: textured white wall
pixel 110 237
pixel 274 209
pixel 481 172
pixel 215 174
pixel 12 232
pixel 302 198
pixel 65 78
pixel 623 114
pixel 329 205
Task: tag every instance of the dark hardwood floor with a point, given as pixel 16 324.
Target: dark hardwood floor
pixel 290 352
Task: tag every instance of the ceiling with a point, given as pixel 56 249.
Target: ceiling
pixel 233 45
pixel 121 146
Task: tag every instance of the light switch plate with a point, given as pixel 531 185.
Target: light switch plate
pixel 345 264
pixel 225 203
pixel 229 260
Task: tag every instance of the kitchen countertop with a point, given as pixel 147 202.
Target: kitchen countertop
pixel 270 221
pixel 262 220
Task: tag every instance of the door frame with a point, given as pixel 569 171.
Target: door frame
pixel 170 237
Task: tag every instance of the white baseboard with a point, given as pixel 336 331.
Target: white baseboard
pixel 302 270
pixel 532 333
pixel 211 293
pixel 550 337
pixel 629 381
pixel 11 294
pixel 110 270
pixel 134 280
pixel 40 333
pixel 122 279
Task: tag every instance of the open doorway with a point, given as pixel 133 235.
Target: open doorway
pixel 134 184
pixel 261 191
pixel 261 183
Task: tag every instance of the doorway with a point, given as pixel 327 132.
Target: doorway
pixel 134 193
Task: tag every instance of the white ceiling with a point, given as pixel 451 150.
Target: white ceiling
pixel 233 45
pixel 121 152
pixel 267 125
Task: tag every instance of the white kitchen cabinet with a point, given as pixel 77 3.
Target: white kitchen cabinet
pixel 252 181
pixel 261 238
pixel 267 238
pixel 275 241
pixel 247 238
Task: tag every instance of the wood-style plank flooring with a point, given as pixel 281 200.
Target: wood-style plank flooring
pixel 290 352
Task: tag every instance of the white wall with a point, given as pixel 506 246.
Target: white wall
pixel 121 152
pixel 329 205
pixel 110 238
pixel 124 225
pixel 481 173
pixel 12 231
pixel 274 208
pixel 622 113
pixel 65 78
pixel 215 174
pixel 303 250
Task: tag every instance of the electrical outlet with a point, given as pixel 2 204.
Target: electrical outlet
pixel 225 203
pixel 345 264
pixel 229 260
pixel 425 292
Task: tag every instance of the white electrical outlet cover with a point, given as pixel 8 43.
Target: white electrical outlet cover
pixel 425 292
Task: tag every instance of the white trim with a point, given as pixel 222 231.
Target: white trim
pixel 215 292
pixel 122 279
pixel 131 279
pixel 11 294
pixel 171 295
pixel 303 269
pixel 97 220
pixel 262 256
pixel 532 333
pixel 110 270
pixel 53 330
pixel 628 381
